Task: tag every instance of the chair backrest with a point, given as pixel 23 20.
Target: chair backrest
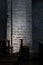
pixel 21 44
pixel 4 45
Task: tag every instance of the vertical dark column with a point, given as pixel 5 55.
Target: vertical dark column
pixel 6 19
pixel 21 46
pixel 21 42
pixel 11 22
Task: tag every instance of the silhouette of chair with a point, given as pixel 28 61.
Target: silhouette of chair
pixel 24 54
pixel 4 46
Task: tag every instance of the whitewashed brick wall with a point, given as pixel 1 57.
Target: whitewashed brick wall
pixel 21 21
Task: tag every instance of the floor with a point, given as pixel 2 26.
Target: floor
pixel 23 60
pixel 31 62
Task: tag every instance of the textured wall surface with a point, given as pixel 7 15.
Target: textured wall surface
pixel 21 21
pixel 2 19
pixel 21 12
pixel 37 24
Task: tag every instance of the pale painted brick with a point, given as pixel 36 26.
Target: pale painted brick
pixel 22 23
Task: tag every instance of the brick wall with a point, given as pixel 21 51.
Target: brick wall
pixel 21 21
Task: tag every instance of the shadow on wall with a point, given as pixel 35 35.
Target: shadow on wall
pixel 37 21
pixel 3 18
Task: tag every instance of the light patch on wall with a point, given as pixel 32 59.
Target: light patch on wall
pixel 22 28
